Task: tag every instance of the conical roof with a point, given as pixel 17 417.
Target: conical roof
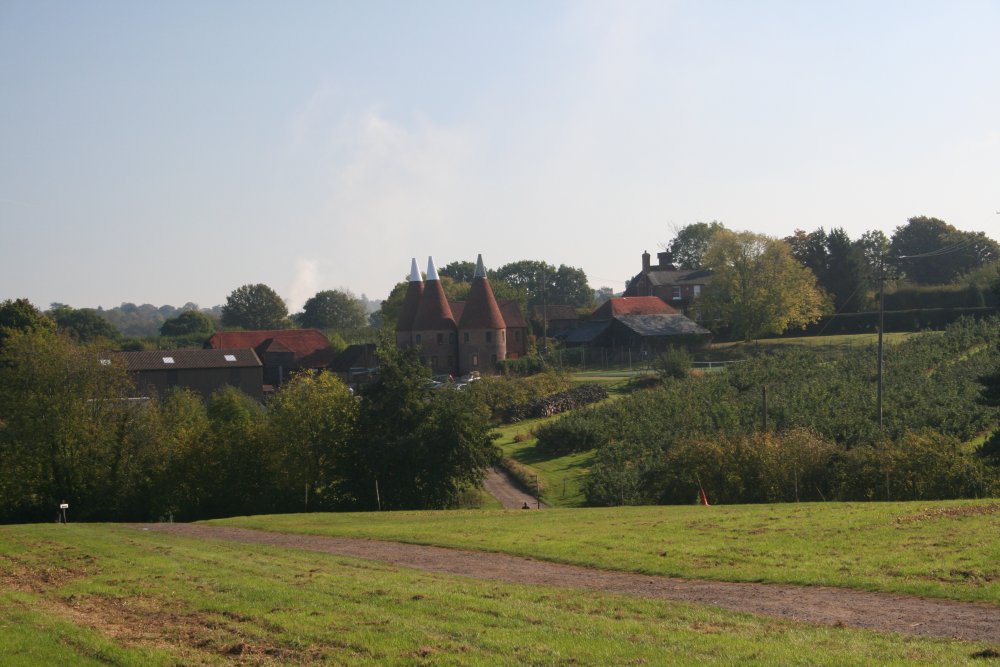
pixel 411 302
pixel 481 309
pixel 433 313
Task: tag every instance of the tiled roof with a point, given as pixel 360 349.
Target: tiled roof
pixel 434 313
pixel 679 277
pixel 512 316
pixel 151 360
pixel 310 347
pixel 631 305
pixel 411 302
pixel 481 310
pixel 555 312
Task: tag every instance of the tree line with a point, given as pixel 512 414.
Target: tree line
pixel 71 432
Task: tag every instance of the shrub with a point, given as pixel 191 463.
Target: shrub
pixel 674 363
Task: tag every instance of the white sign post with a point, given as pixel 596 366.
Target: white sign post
pixel 62 511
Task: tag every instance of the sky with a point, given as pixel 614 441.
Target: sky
pixel 170 152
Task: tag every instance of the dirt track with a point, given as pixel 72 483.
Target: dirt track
pixel 814 604
pixel 499 485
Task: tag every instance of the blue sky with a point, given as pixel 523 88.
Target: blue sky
pixel 171 152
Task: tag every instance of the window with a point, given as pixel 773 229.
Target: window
pixel 676 292
pixel 229 357
pixel 465 337
pixel 440 338
pixel 168 360
pixel 697 290
pixel 475 360
pixel 489 336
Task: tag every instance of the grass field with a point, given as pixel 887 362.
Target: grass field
pixel 111 595
pixel 940 549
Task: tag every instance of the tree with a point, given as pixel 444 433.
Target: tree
pixel 414 449
pixel 188 323
pixel 837 262
pixel 690 243
pixel 61 416
pixel 310 421
pixel 333 309
pixel 462 272
pixel 84 325
pixel 960 252
pixel 539 280
pixel 255 307
pixel 757 286
pixel 21 315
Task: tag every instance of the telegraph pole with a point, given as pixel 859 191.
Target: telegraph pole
pixel 881 328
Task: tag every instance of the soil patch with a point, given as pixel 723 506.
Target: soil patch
pixel 815 604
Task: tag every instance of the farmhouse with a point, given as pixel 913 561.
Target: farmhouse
pixel 459 337
pixel 675 286
pixel 202 371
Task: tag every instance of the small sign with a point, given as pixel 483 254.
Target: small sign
pixel 63 506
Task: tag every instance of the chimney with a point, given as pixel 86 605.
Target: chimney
pixel 666 259
pixel 645 261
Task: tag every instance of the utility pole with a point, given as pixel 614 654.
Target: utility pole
pixel 881 327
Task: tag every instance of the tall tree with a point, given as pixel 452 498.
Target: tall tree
pixel 333 309
pixel 757 286
pixel 541 281
pixel 255 307
pixel 690 243
pixel 21 315
pixel 188 323
pixel 956 252
pixel 84 325
pixel 462 272
pixel 415 449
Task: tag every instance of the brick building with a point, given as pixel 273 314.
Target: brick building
pixel 459 337
pixel 675 286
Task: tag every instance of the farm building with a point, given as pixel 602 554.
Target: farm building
pixel 459 337
pixel 281 351
pixel 643 323
pixel 202 371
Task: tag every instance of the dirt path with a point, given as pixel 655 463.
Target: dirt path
pixel 814 604
pixel 499 485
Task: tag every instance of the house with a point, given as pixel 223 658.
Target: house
pixel 202 371
pixel 554 319
pixel 665 280
pixel 459 337
pixel 281 351
pixel 643 323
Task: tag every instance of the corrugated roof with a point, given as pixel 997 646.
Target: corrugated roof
pixel 310 348
pixel 587 332
pixel 672 324
pixel 151 360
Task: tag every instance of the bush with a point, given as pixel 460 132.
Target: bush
pixel 674 363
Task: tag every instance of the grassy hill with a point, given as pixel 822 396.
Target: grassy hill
pixel 110 594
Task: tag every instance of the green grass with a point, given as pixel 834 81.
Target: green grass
pixel 941 549
pixel 822 344
pixel 560 477
pixel 105 594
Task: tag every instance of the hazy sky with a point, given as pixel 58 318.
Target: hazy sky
pixel 164 152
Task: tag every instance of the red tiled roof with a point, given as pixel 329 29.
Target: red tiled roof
pixel 411 302
pixel 632 305
pixel 481 309
pixel 310 348
pixel 434 313
pixel 511 311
